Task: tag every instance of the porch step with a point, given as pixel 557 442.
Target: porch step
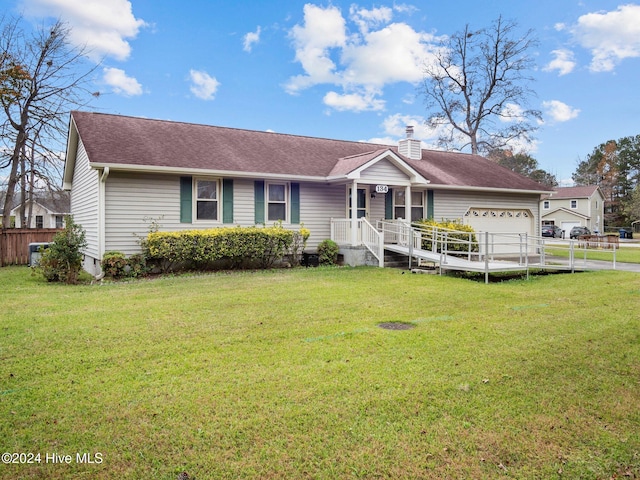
pixel 399 260
pixel 395 260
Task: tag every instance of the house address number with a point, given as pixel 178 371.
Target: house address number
pixel 382 188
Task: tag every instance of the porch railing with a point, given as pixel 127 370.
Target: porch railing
pixel 366 234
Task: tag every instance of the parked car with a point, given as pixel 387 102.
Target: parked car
pixel 578 232
pixel 552 231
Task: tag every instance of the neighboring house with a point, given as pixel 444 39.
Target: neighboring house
pixel 48 210
pixel 125 173
pixel 569 207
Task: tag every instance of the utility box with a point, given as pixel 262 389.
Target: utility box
pixel 35 252
pixel 310 260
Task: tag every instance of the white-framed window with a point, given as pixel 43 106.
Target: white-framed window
pixel 39 221
pixel 574 204
pixel 277 201
pixel 546 205
pixel 417 204
pixel 59 221
pixel 207 199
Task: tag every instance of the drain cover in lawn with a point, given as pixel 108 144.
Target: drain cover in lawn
pixel 396 325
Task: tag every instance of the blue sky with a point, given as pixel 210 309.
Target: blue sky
pixel 349 70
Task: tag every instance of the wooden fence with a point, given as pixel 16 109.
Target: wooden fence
pixel 14 243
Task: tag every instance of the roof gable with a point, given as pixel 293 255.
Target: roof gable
pixel 575 213
pixel 355 166
pixel 585 191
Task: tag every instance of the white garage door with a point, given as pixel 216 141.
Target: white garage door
pixel 497 220
pixel 567 226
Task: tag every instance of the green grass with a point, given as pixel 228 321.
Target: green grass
pixel 285 374
pixel 622 254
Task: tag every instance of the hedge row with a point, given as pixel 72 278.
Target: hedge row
pixel 458 240
pixel 230 247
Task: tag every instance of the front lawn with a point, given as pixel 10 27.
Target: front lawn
pixel 286 374
pixel 623 254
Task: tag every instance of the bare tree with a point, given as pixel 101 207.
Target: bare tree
pixel 41 80
pixel 477 88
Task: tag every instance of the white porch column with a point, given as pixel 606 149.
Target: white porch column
pixel 407 203
pixel 354 213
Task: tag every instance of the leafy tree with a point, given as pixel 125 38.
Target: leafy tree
pixel 615 167
pixel 524 164
pixel 39 84
pixel 477 87
pixel 632 206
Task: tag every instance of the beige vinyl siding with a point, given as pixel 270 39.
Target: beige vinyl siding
pixel 243 202
pixel 453 204
pixel 318 204
pixel 384 172
pixel 133 202
pixel 84 201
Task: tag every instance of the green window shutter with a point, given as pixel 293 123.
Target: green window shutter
pixel 430 204
pixel 186 204
pixel 258 191
pixel 388 205
pixel 295 203
pixel 227 200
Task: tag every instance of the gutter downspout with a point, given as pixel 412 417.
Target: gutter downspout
pixel 102 180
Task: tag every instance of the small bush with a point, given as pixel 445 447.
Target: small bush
pixel 328 252
pixel 137 265
pixel 62 261
pixel 114 264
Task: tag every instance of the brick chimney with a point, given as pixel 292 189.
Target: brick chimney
pixel 409 146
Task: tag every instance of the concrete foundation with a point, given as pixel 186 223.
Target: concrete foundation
pixel 358 256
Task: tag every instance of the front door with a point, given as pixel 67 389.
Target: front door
pixel 361 209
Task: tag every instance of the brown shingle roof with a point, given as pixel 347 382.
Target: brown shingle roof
pixel 131 141
pixel 575 192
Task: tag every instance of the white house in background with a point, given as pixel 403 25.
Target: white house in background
pixel 124 172
pixel 570 207
pixel 48 210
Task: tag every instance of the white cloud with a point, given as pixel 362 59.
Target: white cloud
pixel 356 102
pixel 366 19
pixel 377 54
pixel 512 113
pixel 395 53
pixel 611 36
pixel 563 62
pixel 395 127
pixel 103 27
pixel 323 29
pixel 250 39
pixel 121 83
pixel 559 111
pixel 204 85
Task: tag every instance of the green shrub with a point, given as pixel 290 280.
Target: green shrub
pixel 458 240
pixel 137 265
pixel 114 264
pixel 328 252
pixel 62 261
pixel 232 247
